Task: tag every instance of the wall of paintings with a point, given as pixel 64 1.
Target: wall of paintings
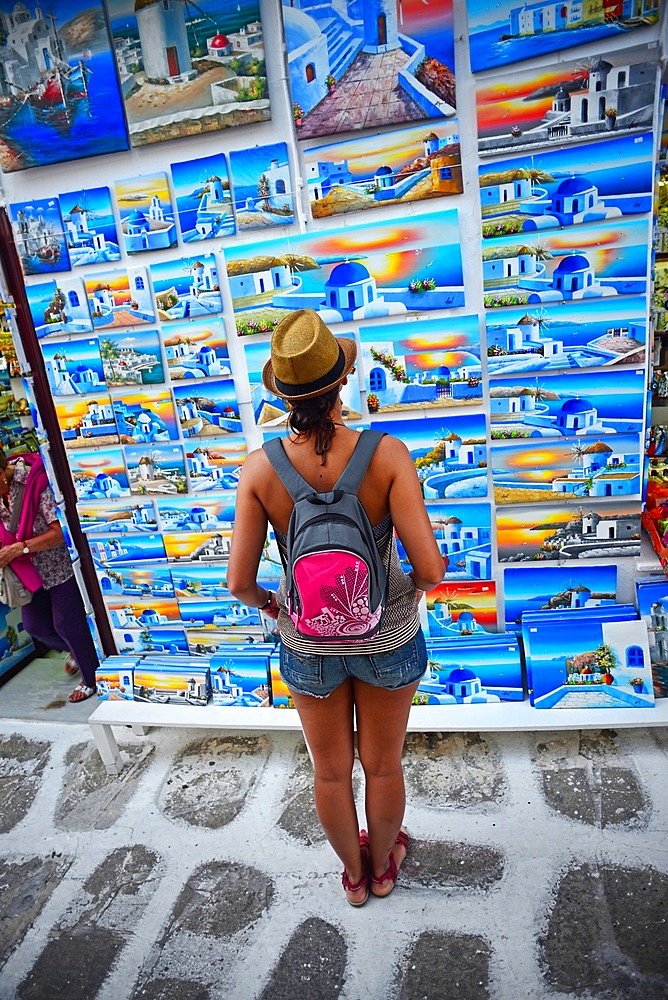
pixel 466 188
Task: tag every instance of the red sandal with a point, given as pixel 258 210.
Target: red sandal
pixel 364 881
pixel 392 870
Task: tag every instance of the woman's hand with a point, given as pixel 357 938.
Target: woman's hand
pixel 10 552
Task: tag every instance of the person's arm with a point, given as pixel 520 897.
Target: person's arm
pixel 49 539
pixel 410 518
pixel 248 539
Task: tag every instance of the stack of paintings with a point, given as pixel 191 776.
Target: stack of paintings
pixel 652 599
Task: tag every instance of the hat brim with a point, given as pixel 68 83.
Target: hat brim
pixel 349 348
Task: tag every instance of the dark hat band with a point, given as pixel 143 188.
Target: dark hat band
pixel 335 373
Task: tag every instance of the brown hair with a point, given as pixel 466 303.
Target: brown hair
pixel 313 417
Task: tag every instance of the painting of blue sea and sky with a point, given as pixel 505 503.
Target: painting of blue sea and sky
pixel 119 297
pixel 390 168
pixel 547 588
pixel 207 409
pixel 156 469
pixel 349 274
pixel 126 516
pixel 449 452
pixel 215 464
pixel 567 187
pixel 58 307
pixel 73 367
pixel 272 411
pixel 262 186
pixel 205 514
pixel 148 579
pixel 463 533
pixel 145 207
pixel 580 262
pixel 186 287
pixel 203 198
pixel 90 227
pixel 548 470
pixel 424 365
pixel 132 357
pixel 196 350
pixel 59 92
pixel 579 334
pixel 39 234
pixel 506 31
pixel 568 404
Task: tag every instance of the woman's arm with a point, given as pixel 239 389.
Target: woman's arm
pixel 49 539
pixel 410 518
pixel 248 539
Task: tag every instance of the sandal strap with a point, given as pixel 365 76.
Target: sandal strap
pixel 402 838
pixel 390 872
pixel 353 887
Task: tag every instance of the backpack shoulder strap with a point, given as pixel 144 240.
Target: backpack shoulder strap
pixel 350 479
pixel 295 484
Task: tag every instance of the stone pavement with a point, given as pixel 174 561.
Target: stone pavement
pixel 537 867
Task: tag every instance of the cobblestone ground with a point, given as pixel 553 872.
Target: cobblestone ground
pixel 537 868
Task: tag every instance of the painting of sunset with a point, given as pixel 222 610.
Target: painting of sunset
pixel 579 530
pixel 462 608
pixel 121 297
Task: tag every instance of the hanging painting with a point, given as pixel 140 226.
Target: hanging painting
pixel 262 186
pixel 196 350
pixel 131 357
pixel 422 366
pixel 147 579
pixel 39 235
pixel 147 415
pixel 90 227
pixel 121 297
pixel 117 517
pixel 583 333
pixel 145 208
pixel 186 287
pixel 355 66
pixel 506 31
pixel 349 274
pixel 207 409
pixel 99 474
pixel 214 513
pixel 73 367
pixel 581 99
pixel 463 534
pixel 568 531
pixel 207 546
pixel 84 421
pixel 186 68
pixel 203 198
pixel 213 465
pixel 59 97
pixel 156 468
pixel 58 307
pixel 389 168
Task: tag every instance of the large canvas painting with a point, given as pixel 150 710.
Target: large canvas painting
pixel 505 31
pixel 568 531
pixel 567 187
pixel 262 186
pixel 186 68
pixel 59 97
pixel 583 262
pixel 545 470
pixel 552 588
pixel 145 208
pixel 578 99
pixel 203 198
pixel 58 307
pixel 422 366
pixel 349 274
pixel 449 452
pixel 39 234
pixel 388 168
pixel 579 334
pixel 90 227
pixel 375 64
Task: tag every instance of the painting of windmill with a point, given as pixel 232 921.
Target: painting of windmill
pixel 90 227
pixel 559 532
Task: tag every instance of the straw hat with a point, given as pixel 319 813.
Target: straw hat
pixel 306 358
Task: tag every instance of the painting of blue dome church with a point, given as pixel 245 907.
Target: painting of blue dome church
pixel 148 416
pixel 567 187
pixel 240 677
pixel 138 516
pixel 262 186
pixel 145 208
pixel 485 669
pixel 549 269
pixel 214 464
pixel 332 47
pixel 203 198
pixel 58 307
pixel 146 579
pixel 196 349
pixel 90 227
pixel 187 287
pixel 349 274
pixel 215 513
pixel 73 367
pixel 128 614
pixel 210 410
pixel 577 334
pixel 99 473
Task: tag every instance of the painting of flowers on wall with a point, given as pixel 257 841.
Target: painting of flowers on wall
pixel 187 69
pixel 262 184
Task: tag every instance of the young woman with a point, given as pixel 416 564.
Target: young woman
pixel 371 682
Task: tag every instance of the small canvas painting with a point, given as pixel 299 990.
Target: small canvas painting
pixel 90 227
pixel 390 168
pixel 117 517
pixel 99 474
pixel 371 65
pixel 58 307
pixel 556 588
pixel 196 350
pixel 121 297
pixel 215 513
pixel 215 464
pixel 450 455
pixel 147 415
pixel 73 367
pixel 422 366
pixel 39 235
pixel 186 287
pixel 86 421
pixel 190 546
pixel 132 358
pixel 262 186
pixel 455 610
pixel 504 31
pixel 188 69
pixel 203 198
pixel 124 612
pixel 207 409
pixel 463 533
pixel 583 333
pixel 148 579
pixel 559 532
pixel 156 468
pixel 169 639
pixel 58 85
pixel 147 217
pixel 349 274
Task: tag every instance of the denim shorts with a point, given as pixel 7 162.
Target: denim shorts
pixel 320 675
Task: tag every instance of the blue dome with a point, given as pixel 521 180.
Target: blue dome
pixel 383 171
pixel 198 510
pixel 347 274
pixel 575 262
pixel 574 185
pixel 461 674
pixel 299 28
pixel 136 216
pixel 466 616
pixel 576 406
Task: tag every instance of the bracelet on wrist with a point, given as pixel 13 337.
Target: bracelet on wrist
pixel 270 597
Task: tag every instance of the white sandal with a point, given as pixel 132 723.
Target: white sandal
pixel 83 691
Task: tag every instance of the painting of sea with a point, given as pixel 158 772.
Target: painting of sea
pixel 593 97
pixel 208 409
pixel 551 588
pixel 186 69
pixel 505 31
pixel 145 415
pixel 145 208
pixel 39 236
pixel 124 612
pixel 99 474
pixel 59 97
pixel 156 468
pixel 196 350
pixel 121 297
pixel 215 464
pixel 90 227
pixel 583 333
pixel 186 287
pixel 463 533
pixel 58 307
pixel 425 365
pixel 359 66
pixel 471 670
pixel 262 186
pixel 214 513
pixel 349 274
pixel 203 198
pixel 147 579
pixel 581 530
pixel 73 367
pixel 131 357
pixel 117 517
pixel 390 168
pixel 86 420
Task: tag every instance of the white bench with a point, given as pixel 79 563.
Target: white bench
pixel 511 716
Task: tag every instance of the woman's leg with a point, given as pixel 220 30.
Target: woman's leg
pixel 382 717
pixel 69 621
pixel 38 621
pixel 328 728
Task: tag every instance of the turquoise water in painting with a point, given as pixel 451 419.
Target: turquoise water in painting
pixel 488 49
pixel 97 125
